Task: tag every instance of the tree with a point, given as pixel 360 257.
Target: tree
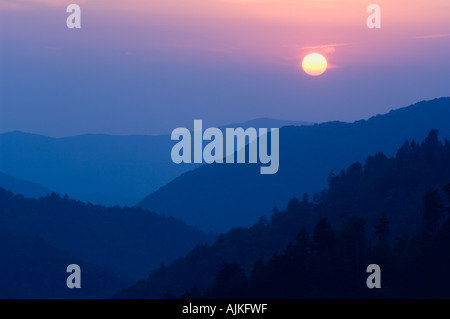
pixel 353 238
pixel 324 238
pixel 433 209
pixel 168 295
pixel 382 228
pixel 302 242
pixel 431 143
pixel 447 192
pixel 305 198
pixel 352 256
pixel 230 282
pixel 293 206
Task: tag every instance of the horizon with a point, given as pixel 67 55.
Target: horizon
pixel 306 123
pixel 147 67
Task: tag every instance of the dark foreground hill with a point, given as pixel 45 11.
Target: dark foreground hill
pixel 128 241
pixel 30 268
pixel 341 263
pixel 393 186
pixel 220 196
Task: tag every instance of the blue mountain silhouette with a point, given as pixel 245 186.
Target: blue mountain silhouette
pixel 102 169
pixel 219 196
pixel 127 241
pixel 20 186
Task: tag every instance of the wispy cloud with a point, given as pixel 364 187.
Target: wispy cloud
pixel 328 48
pixel 324 46
pixel 432 36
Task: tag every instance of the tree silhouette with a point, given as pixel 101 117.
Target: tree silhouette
pixel 382 228
pixel 324 238
pixel 303 242
pixel 230 282
pixel 433 209
pixel 352 256
pixel 332 262
pixel 447 193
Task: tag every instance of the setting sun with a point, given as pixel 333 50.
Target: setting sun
pixel 314 64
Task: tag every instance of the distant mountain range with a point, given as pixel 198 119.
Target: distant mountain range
pixel 267 123
pixel 20 186
pixel 127 243
pixel 219 196
pixel 101 169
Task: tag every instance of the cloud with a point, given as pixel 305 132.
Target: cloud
pixel 327 48
pixel 432 36
pixel 334 66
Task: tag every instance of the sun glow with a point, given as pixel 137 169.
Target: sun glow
pixel 314 64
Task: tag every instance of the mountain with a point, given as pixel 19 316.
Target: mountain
pixel 20 186
pixel 219 196
pixel 128 241
pixel 396 200
pixel 31 268
pixel 334 264
pixel 111 170
pixel 266 123
pixel 101 169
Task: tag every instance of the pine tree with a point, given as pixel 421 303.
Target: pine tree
pixel 230 282
pixel 324 238
pixel 382 228
pixel 433 209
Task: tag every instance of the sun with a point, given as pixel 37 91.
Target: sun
pixel 314 64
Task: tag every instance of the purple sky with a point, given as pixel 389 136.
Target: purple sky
pixel 147 67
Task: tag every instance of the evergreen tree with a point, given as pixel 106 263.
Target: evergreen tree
pixel 324 238
pixel 433 209
pixel 303 242
pixel 305 198
pixel 231 282
pixel 382 228
pixel 447 192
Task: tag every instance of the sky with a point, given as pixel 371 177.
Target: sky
pixel 150 66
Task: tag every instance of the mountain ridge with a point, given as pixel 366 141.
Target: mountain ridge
pixel 219 196
pixel 26 188
pixel 99 168
pixel 396 189
pixel 127 241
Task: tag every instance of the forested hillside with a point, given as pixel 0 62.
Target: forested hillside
pixel 409 191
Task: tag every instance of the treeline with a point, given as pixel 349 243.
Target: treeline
pixel 332 264
pixel 395 185
pixel 31 268
pixel 129 241
pixel 350 209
